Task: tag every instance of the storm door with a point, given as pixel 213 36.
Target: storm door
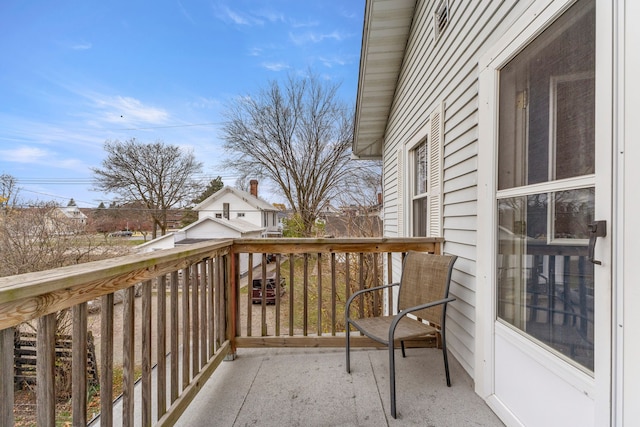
pixel 546 197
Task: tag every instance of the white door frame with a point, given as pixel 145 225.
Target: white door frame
pixel 537 17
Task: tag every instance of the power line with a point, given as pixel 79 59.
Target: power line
pixel 172 126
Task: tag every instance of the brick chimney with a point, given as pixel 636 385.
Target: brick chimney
pixel 254 187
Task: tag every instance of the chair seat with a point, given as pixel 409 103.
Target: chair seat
pixel 377 328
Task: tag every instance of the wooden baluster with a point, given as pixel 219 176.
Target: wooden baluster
pixel 146 353
pixel 334 293
pixel 186 345
pixel 211 312
pixel 45 370
pixel 263 302
pixel 361 282
pixel 291 287
pixel 195 320
pixel 79 364
pixel 319 280
pixel 6 376
pixel 249 295
pixel 161 354
pixel 175 388
pixel 202 266
pixel 305 299
pixel 128 359
pixel 106 360
pixel 278 290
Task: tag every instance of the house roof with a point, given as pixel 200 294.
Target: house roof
pixel 155 241
pixel 236 224
pixel 256 202
pixel 72 212
pixel 387 24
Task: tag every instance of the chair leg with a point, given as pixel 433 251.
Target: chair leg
pixel 392 378
pixel 446 359
pixel 402 346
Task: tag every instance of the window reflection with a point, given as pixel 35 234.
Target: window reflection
pixel 545 286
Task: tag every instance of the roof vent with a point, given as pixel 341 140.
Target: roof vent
pixel 440 18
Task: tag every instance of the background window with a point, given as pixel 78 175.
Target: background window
pixel 420 193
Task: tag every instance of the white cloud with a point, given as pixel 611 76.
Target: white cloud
pixel 333 60
pixel 24 154
pixel 275 66
pixel 185 13
pixel 82 46
pixel 271 16
pixel 125 110
pixel 40 156
pixel 304 24
pixel 312 37
pixel 225 14
pixel 205 103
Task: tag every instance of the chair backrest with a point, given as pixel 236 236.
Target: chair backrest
pixel 425 278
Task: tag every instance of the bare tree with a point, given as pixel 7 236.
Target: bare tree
pixel 8 190
pixel 159 175
pixel 298 135
pixel 40 237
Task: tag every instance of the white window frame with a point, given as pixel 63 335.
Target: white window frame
pixel 413 176
pixel 433 133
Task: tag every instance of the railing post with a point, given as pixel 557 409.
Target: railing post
pixel 6 376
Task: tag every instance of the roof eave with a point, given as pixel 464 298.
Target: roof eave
pixel 386 28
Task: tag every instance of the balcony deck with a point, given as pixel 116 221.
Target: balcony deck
pixel 192 305
pixel 310 387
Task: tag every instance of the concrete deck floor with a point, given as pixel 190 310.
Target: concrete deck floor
pixel 310 387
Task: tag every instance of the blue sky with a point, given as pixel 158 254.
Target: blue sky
pixel 74 74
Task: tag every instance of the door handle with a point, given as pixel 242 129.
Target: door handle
pixel 596 229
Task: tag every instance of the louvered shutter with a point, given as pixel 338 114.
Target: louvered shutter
pixel 436 138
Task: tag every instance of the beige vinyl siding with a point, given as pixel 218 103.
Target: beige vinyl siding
pixel 446 72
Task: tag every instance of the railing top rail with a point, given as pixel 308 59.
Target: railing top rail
pixel 27 296
pixel 329 245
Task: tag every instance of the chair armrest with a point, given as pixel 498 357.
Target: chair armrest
pixel 362 291
pixel 403 313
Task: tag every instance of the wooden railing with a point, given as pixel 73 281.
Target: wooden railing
pixel 183 311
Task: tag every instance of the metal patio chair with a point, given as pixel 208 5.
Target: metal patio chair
pixel 424 293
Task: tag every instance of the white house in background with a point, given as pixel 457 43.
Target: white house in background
pixel 73 214
pixel 510 129
pixel 240 207
pixel 227 214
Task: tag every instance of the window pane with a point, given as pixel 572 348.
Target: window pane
pixel 420 168
pixel 420 214
pixel 574 125
pixel 573 211
pixel 547 104
pixel 545 289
